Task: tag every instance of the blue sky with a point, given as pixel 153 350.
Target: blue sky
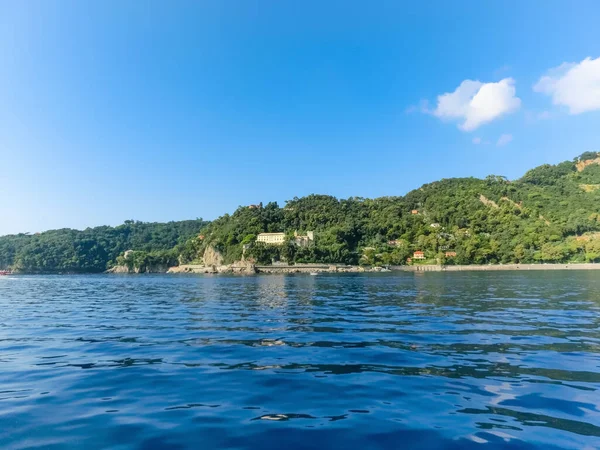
pixel 162 111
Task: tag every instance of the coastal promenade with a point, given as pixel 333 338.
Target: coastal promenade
pixel 495 267
pixel 425 268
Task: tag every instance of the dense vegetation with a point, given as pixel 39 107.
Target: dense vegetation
pixel 551 214
pixel 96 249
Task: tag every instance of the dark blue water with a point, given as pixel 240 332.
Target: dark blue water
pixel 380 361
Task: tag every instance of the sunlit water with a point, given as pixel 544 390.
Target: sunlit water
pixel 380 361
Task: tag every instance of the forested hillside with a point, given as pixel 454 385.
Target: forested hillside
pixel 551 214
pixel 96 249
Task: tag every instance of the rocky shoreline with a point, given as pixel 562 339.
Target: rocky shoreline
pixel 249 268
pixel 245 268
pixel 238 267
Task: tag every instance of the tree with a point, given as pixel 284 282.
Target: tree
pixel 592 250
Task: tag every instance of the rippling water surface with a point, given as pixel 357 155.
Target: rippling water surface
pixel 377 361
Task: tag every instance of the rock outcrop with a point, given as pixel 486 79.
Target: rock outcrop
pixel 239 267
pixel 159 268
pixel 212 257
pixel 118 269
pixel 581 165
pixel 244 267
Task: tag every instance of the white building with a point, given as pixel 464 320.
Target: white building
pixel 271 238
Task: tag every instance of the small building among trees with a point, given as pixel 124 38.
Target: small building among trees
pixel 418 255
pixel 304 241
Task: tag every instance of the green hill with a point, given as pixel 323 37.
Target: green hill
pixel 551 214
pixel 96 249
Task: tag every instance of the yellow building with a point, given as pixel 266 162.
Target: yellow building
pixel 271 238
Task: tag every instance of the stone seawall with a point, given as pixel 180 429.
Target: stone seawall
pixel 496 267
pixel 248 268
pixel 308 268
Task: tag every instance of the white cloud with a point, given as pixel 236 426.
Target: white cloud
pixel 504 140
pixel 475 103
pixel 574 85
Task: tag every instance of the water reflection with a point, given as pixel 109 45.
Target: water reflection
pixel 439 360
pixel 271 291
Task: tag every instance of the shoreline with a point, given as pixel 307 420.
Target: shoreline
pixel 250 269
pixel 496 267
pixel 333 268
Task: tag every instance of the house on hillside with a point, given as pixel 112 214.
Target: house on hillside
pixel 418 255
pixel 414 211
pixel 450 254
pixel 271 238
pixel 304 241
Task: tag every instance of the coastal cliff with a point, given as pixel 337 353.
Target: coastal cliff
pixel 212 257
